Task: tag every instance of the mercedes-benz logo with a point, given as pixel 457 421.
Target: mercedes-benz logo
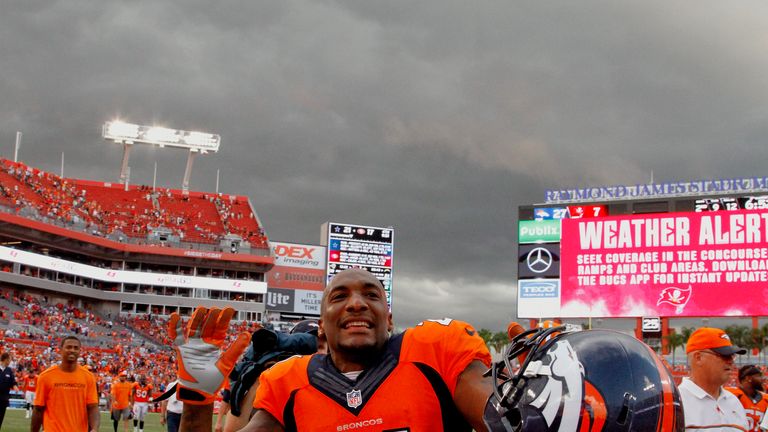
pixel 539 260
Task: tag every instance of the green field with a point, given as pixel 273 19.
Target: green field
pixel 15 422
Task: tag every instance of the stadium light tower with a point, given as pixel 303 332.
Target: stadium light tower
pixel 128 134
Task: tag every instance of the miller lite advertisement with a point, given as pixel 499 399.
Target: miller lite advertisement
pixel 667 265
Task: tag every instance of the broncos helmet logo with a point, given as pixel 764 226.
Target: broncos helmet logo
pixel 586 411
pixel 582 381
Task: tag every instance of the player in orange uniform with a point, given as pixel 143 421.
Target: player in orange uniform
pixel 66 399
pixel 751 396
pixel 121 395
pixel 142 393
pixel 428 378
pixel 30 383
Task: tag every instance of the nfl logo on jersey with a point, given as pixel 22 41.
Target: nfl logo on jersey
pixel 354 399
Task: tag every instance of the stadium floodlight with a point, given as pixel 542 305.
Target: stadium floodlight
pixel 122 132
pixel 162 135
pixel 128 134
pixel 201 139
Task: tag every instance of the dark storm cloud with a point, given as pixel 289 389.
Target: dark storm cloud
pixel 435 117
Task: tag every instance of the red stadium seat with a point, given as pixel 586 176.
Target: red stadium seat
pixel 195 217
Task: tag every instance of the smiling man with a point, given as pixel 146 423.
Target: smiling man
pixel 66 398
pixel 707 405
pixel 428 378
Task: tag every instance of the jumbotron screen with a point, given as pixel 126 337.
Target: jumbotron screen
pixel 711 260
pixel 360 246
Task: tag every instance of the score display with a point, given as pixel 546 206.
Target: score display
pixel 359 246
pixel 727 204
pixel 570 212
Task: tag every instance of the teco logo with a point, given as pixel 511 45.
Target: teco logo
pixel 539 260
pixel 540 289
pixel 277 299
pixel 294 251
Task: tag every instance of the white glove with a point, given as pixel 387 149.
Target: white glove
pixel 202 366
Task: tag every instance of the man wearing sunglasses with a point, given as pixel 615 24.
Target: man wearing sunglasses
pixel 707 405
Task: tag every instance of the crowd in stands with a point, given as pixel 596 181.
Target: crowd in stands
pixel 54 320
pixel 113 211
pixel 154 328
pixel 137 344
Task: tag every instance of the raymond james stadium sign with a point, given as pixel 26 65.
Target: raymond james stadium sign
pixel 655 190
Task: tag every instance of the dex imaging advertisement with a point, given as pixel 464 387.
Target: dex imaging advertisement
pixel 297 266
pixel 670 264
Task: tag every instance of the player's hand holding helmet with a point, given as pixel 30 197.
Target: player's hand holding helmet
pixel 268 347
pixel 202 364
pixel 571 380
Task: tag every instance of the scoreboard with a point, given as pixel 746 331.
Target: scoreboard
pixel 570 212
pixel 731 203
pixel 360 246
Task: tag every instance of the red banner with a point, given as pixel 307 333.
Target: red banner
pixel 296 278
pixel 670 264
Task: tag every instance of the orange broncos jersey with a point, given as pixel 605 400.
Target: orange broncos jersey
pixel 142 393
pixel 755 410
pixel 65 396
pixel 410 388
pixel 30 383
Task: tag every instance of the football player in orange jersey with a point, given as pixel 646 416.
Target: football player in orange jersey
pixel 427 378
pixel 30 382
pixel 750 394
pixel 142 393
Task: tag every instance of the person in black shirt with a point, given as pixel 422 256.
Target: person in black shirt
pixel 7 382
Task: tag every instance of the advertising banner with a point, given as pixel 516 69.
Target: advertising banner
pixel 293 300
pixel 130 277
pixel 538 231
pixel 667 265
pixel 299 255
pixel 297 266
pixel 280 300
pixel 538 298
pixel 538 261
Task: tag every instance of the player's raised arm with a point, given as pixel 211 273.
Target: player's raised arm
pixel 202 364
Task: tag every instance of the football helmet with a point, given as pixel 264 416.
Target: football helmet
pixel 573 380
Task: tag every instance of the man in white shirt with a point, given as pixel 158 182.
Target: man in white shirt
pixel 170 410
pixel 706 404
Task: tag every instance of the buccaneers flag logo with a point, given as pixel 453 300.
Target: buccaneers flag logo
pixel 675 296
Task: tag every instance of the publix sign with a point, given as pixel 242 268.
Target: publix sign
pixel 542 231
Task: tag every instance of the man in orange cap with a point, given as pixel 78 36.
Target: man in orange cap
pixel 707 405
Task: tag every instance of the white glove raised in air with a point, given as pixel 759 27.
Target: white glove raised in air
pixel 202 365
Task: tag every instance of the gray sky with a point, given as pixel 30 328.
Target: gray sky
pixel 437 117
